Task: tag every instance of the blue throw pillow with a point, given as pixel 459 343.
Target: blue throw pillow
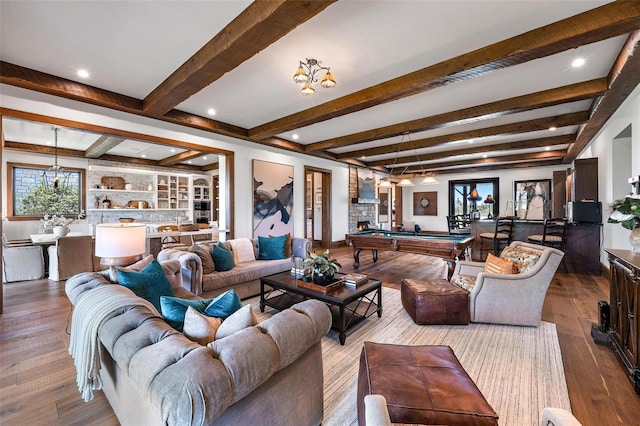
pixel 223 305
pixel 150 283
pixel 174 309
pixel 222 257
pixel 272 248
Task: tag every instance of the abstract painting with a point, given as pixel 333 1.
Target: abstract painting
pixel 272 199
pixel 532 199
pixel 383 207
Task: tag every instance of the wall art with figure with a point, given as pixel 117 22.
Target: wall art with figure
pixel 272 198
pixel 532 199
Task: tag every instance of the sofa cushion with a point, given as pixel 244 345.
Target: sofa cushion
pixel 223 305
pixel 523 259
pixel 174 309
pixel 150 283
pixel 287 244
pixel 204 253
pixel 242 318
pixel 138 266
pixel 222 257
pixel 242 249
pixel 244 272
pixel 272 248
pixel 496 265
pixel 200 328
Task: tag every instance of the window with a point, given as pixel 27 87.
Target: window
pixel 459 191
pixel 32 193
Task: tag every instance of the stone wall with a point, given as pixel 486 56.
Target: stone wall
pixel 359 212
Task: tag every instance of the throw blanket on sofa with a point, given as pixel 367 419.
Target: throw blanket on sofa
pixel 96 306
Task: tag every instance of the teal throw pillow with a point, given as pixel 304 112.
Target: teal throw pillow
pixel 150 283
pixel 223 305
pixel 272 248
pixel 174 309
pixel 222 257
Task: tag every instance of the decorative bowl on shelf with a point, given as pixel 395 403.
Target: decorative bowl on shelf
pixel 126 219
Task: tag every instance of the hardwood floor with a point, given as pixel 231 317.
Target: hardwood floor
pixel 37 377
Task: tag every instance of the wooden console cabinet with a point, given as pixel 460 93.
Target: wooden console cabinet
pixel 625 310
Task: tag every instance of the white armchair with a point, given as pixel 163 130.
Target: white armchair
pixel 21 261
pixel 514 299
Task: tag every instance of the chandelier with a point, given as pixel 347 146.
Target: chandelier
pixel 56 172
pixel 307 75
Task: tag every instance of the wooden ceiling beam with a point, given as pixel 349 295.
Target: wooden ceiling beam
pixel 209 167
pixel 103 144
pixel 258 26
pixel 545 98
pixel 475 169
pixel 610 20
pixel 488 161
pixel 506 146
pixel 623 78
pixel 179 158
pixel 572 119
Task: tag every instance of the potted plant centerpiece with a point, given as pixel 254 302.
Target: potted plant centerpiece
pixel 319 268
pixel 627 213
pixel 58 225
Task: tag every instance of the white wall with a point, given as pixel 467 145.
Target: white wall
pixel 39 103
pixel 507 177
pixel 614 235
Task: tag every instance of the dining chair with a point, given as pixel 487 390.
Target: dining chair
pixel 499 238
pixel 554 233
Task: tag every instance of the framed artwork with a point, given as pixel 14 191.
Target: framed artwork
pixel 425 203
pixel 366 184
pixel 383 207
pixel 532 199
pixel 272 198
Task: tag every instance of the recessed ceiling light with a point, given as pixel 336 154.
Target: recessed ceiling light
pixel 211 111
pixel 173 150
pixel 552 128
pixel 143 156
pixel 204 158
pixel 295 136
pixel 547 148
pixel 189 162
pixel 470 141
pixel 82 73
pixel 484 156
pixel 578 62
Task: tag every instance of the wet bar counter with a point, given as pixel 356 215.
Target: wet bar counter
pixel 582 245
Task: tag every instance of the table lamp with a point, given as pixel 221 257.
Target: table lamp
pixel 120 244
pixel 474 197
pixel 489 200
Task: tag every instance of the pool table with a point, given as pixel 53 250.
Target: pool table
pixel 448 247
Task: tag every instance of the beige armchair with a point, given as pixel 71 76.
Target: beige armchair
pixel 514 299
pixel 376 414
pixel 70 256
pixel 21 261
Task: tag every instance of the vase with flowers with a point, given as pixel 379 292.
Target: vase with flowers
pixel 627 213
pixel 58 225
pixel 319 268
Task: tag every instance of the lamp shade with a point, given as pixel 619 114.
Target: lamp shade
pixel 120 241
pixel 474 196
pixel 406 182
pixel 384 183
pixel 489 200
pixel 429 180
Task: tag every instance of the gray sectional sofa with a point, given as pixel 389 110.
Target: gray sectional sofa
pixel 244 277
pixel 151 374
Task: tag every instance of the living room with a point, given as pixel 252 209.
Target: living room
pixel 611 137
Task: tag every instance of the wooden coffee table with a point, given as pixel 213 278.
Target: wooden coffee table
pixel 348 306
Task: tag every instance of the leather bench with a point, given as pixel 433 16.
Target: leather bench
pixel 422 385
pixel 435 302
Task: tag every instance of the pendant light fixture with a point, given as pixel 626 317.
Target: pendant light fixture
pixel 306 75
pixel 56 172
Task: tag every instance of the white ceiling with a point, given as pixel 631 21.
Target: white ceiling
pixel 130 47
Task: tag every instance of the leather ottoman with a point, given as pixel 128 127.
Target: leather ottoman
pixel 435 302
pixel 422 384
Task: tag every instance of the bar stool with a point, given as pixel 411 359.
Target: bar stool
pixel 499 238
pixel 169 241
pixel 554 233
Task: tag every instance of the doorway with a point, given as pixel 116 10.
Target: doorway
pixel 317 193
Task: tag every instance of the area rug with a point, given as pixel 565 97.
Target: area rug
pixel 518 369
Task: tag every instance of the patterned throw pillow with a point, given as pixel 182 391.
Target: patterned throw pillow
pixel 496 265
pixel 465 282
pixel 523 259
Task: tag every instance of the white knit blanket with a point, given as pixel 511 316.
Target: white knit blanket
pixel 92 310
